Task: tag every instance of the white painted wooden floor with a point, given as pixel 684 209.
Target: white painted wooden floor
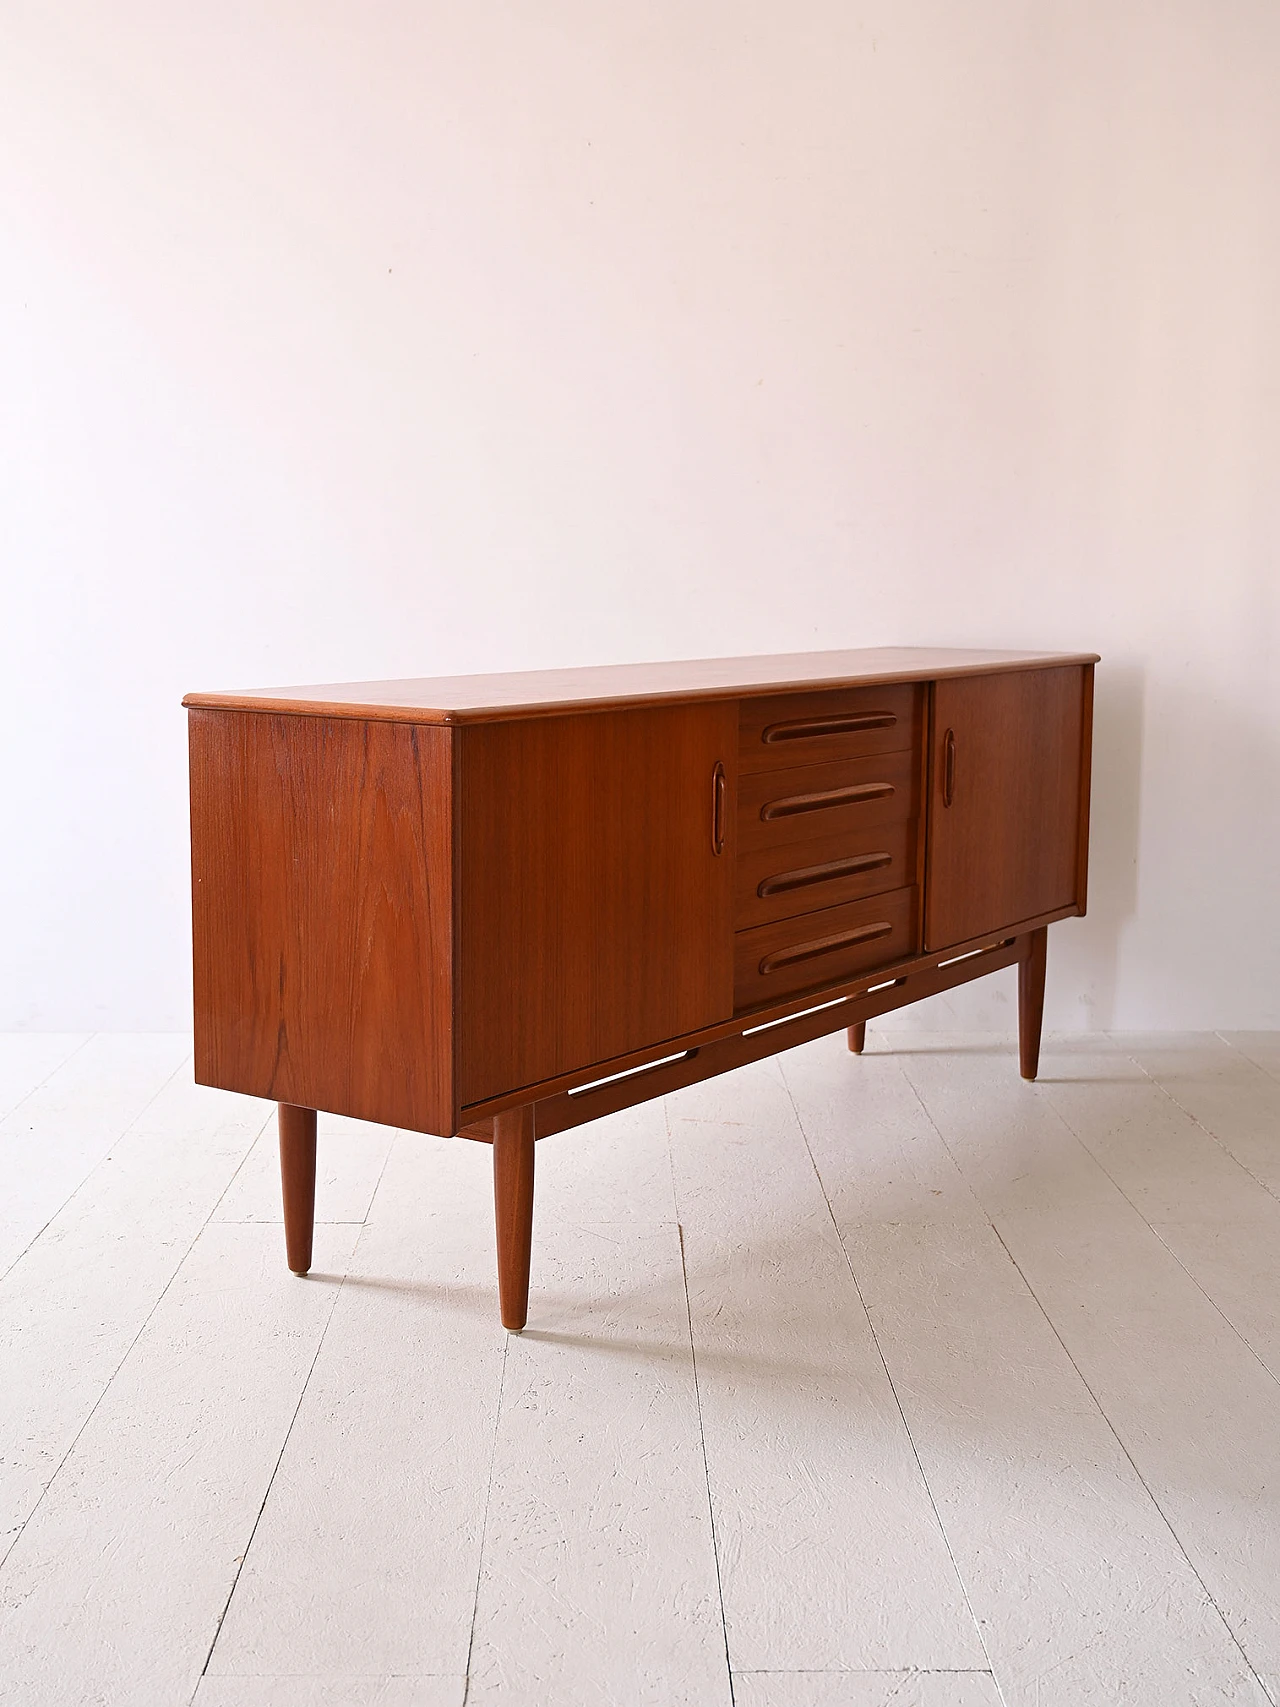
pixel 847 1382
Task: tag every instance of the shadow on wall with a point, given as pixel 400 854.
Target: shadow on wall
pixel 1084 954
pixel 1089 961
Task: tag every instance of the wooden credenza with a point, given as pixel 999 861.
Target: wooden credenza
pixel 501 906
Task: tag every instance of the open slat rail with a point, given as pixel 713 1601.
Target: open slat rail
pixel 755 1037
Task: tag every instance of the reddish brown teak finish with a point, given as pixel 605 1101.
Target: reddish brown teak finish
pixel 502 907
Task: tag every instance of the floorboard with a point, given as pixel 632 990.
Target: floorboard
pixel 114 1590
pixel 831 1554
pixel 75 1301
pixel 27 1059
pixel 55 1137
pixel 429 1691
pixel 1108 1288
pixel 350 1158
pixel 364 1562
pixel 1226 1092
pixel 887 1381
pixel 865 1689
pixel 1082 1595
pixel 599 1576
pixel 1260 1047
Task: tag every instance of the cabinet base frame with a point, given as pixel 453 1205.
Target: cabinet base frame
pixel 512 1129
pixel 752 1037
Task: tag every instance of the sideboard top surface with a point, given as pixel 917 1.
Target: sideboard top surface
pixel 479 699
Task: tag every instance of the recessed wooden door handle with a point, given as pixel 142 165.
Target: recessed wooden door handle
pixel 822 945
pixel 949 767
pixel 791 804
pixel 719 791
pixel 805 875
pixel 812 728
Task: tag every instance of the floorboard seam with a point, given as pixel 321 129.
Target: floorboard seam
pixel 484 1521
pixel 241 1165
pixel 1119 1439
pixel 1164 1518
pixel 70 1056
pixel 697 1400
pixel 1245 1056
pixel 275 1468
pixel 310 1371
pixel 1154 1229
pixel 124 1358
pixel 1207 1130
pixel 122 1133
pixel 884 1362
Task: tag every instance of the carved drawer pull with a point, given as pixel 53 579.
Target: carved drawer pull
pixel 813 728
pixel 792 804
pixel 808 874
pixel 949 768
pixel 822 945
pixel 719 789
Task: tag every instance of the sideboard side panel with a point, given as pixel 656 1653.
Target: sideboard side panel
pixel 1007 847
pixel 594 917
pixel 1086 777
pixel 322 913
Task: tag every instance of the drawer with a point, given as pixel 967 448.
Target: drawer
pixel 810 728
pixel 778 807
pixel 803 877
pixel 830 947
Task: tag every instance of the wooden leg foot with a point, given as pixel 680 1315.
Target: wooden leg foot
pixel 298 1182
pixel 858 1037
pixel 513 1211
pixel 1031 1002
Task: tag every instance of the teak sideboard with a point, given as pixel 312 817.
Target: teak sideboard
pixel 500 906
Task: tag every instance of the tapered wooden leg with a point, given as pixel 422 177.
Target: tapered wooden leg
pixel 298 1182
pixel 513 1211
pixel 858 1036
pixel 1031 1002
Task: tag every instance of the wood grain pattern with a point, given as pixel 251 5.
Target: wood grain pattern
pixel 1086 778
pixel 805 729
pixel 780 808
pixel 762 1037
pixel 463 699
pixel 298 1183
pixel 430 927
pixel 822 948
pixel 594 917
pixel 779 883
pixel 322 914
pixel 1007 848
pixel 885 988
pixel 513 1143
pixel 1031 970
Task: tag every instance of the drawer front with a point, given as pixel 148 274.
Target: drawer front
pixel 782 959
pixel 776 808
pixel 812 728
pixel 803 877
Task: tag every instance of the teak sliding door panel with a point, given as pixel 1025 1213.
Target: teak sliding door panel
pixel 1004 801
pixel 321 860
pixel 594 914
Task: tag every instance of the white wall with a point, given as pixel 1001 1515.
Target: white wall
pixel 347 340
